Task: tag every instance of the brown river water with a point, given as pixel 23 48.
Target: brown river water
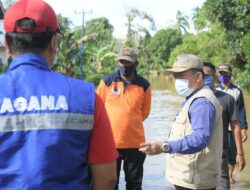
pixel 165 104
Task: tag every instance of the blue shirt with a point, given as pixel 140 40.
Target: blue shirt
pixel 237 93
pixel 202 116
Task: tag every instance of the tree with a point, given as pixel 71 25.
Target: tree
pixel 182 23
pixel 136 30
pixel 98 49
pixel 243 77
pixel 207 45
pixel 234 18
pixel 200 20
pixel 99 52
pixel 100 61
pixel 102 29
pixel 68 49
pixel 161 45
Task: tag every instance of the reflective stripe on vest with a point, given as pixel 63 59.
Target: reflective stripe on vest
pixel 43 121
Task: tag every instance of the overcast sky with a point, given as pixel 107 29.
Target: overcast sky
pixel 163 11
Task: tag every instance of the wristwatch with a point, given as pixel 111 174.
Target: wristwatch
pixel 165 147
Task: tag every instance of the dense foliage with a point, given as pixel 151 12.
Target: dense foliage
pixel 230 21
pixel 221 35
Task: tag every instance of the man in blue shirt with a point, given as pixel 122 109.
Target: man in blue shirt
pixel 226 85
pixel 195 141
pixel 229 117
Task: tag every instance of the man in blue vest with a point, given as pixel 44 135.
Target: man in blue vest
pixel 54 129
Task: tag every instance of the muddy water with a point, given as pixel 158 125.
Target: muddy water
pixel 165 104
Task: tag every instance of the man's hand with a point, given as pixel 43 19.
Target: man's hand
pixel 244 135
pixel 152 148
pixel 240 161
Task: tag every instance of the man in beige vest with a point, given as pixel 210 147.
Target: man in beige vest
pixel 194 145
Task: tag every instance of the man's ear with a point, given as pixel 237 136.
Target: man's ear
pixel 200 76
pixel 7 47
pixel 54 43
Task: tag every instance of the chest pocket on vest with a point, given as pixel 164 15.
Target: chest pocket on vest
pixel 178 128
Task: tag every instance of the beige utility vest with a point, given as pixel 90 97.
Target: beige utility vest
pixel 200 170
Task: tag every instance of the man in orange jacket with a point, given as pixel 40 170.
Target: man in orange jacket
pixel 127 98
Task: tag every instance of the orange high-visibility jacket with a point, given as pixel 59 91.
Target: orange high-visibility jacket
pixel 127 105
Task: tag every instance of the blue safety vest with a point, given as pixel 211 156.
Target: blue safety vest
pixel 46 120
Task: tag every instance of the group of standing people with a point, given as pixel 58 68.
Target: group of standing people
pixel 205 141
pixel 57 132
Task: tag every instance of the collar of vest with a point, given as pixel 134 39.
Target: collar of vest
pixel 195 91
pixel 28 59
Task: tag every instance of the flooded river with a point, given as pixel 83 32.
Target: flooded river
pixel 165 103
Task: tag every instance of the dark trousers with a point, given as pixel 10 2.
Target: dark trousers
pixel 183 188
pixel 133 161
pixel 231 149
pixel 224 183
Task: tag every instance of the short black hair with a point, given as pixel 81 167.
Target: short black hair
pixel 28 42
pixel 210 65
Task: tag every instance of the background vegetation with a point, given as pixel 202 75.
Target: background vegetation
pixel 221 35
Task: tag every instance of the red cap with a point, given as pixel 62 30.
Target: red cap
pixel 37 10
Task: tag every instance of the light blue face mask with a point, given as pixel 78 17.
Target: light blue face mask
pixel 181 86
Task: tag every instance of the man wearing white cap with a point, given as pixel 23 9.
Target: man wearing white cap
pixel 194 145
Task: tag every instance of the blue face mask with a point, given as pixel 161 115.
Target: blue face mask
pixel 208 81
pixel 224 79
pixel 181 86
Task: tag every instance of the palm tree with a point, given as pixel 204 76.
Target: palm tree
pixel 137 30
pixel 182 23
